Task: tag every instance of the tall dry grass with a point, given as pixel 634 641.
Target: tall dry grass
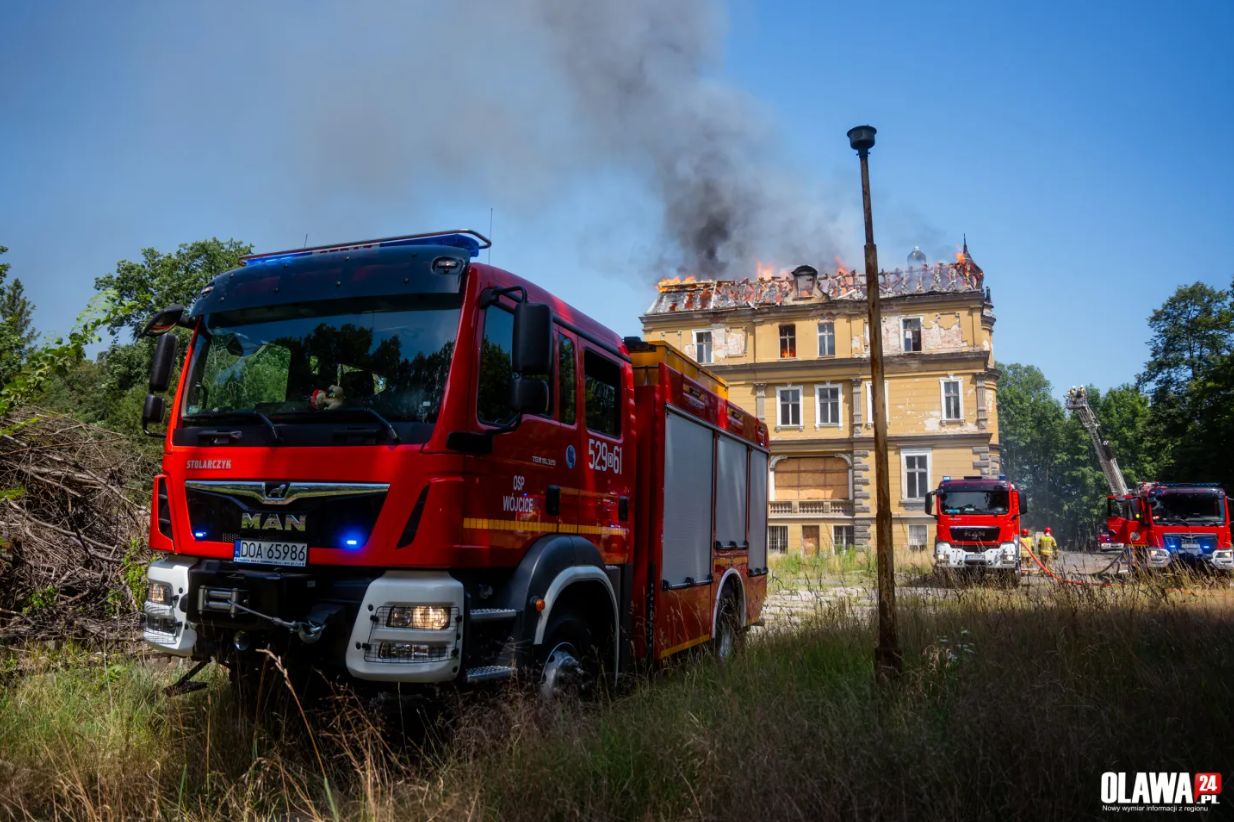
pixel 1012 705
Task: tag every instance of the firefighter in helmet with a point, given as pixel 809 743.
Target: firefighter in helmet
pixel 1047 546
pixel 1026 552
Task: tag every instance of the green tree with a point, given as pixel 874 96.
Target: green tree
pixel 1190 379
pixel 115 384
pixel 158 279
pixel 17 335
pixel 1048 456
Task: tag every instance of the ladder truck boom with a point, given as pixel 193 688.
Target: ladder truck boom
pixel 1077 404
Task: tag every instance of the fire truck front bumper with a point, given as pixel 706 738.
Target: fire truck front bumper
pixel 409 629
pixel 405 626
pixel 1003 557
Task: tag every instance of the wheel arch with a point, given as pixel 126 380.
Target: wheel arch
pixel 731 578
pixel 558 569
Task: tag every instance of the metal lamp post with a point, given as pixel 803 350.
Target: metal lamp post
pixel 888 662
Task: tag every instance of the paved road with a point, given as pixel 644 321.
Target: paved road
pixel 793 606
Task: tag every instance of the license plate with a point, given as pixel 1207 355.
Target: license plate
pixel 261 552
pixel 1191 547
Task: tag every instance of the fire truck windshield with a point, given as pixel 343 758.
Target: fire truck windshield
pixel 981 501
pixel 1187 508
pixel 305 364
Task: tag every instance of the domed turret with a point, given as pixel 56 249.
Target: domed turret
pixel 917 258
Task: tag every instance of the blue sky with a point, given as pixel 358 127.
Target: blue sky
pixel 1085 149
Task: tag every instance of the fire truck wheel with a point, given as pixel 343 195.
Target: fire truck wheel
pixel 727 640
pixel 569 659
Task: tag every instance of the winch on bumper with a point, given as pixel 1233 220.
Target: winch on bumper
pixel 403 626
pixel 1004 557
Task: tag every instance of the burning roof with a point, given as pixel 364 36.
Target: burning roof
pixel 691 294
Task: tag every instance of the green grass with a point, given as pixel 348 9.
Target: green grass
pixel 1012 704
pixel 854 566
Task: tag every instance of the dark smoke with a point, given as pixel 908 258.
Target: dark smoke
pixel 642 76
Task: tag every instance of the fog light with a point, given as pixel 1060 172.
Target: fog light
pixel 410 651
pixel 159 593
pixel 420 617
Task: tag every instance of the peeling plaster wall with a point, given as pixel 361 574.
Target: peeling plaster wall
pixel 941 331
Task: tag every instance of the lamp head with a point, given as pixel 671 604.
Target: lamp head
pixel 861 138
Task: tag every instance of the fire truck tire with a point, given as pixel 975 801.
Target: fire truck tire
pixel 569 660
pixel 727 642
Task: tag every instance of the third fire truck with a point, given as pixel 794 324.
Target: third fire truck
pixel 1162 525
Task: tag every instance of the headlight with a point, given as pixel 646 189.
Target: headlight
pixel 420 617
pixel 159 593
pixel 941 549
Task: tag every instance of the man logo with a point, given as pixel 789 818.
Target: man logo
pixel 272 522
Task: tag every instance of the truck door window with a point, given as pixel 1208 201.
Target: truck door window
pixel 496 369
pixel 567 373
pixel 496 374
pixel 602 394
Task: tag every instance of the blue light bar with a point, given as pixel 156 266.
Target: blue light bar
pixel 465 239
pixel 199 534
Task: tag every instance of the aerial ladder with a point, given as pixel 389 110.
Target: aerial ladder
pixel 1077 404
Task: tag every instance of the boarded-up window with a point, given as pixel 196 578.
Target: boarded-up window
pixel 799 478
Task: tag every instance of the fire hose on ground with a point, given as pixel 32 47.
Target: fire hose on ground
pixel 1104 583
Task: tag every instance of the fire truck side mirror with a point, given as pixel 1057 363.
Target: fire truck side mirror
pixel 533 339
pixel 530 396
pixel 929 502
pixel 164 321
pixel 152 413
pixel 1023 503
pixel 160 366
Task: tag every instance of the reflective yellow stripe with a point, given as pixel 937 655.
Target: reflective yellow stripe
pixel 690 644
pixel 482 524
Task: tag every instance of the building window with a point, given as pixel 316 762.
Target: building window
pixel 788 341
pixel 812 479
pixel 916 537
pixel 842 537
pixel 953 407
pixel 827 405
pixel 912 333
pixel 602 394
pixel 777 538
pixel 869 410
pixel 789 406
pixel 826 339
pixel 702 346
pixel 916 474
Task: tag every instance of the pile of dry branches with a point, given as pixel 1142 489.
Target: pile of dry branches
pixel 73 516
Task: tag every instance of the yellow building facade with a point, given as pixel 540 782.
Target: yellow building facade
pixel 796 351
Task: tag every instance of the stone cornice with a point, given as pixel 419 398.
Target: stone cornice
pixel 768 370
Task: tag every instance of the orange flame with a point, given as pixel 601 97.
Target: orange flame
pixel 841 268
pixel 764 271
pixel 668 282
pixel 961 257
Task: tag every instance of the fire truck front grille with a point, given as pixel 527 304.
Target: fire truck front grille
pixel 325 515
pixel 985 535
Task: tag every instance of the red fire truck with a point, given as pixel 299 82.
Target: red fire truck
pixel 1173 525
pixel 390 460
pixel 978 525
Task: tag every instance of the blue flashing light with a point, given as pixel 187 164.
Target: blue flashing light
pixel 351 542
pixel 466 240
pixel 199 534
pixel 946 478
